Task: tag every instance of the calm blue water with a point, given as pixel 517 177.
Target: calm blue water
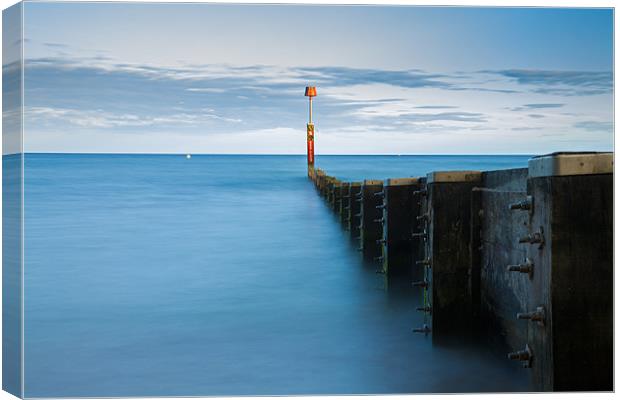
pixel 221 275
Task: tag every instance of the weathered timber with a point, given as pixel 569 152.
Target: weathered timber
pixel 400 212
pixel 572 283
pixel 354 216
pixel 370 226
pixel 344 203
pixel 337 200
pixel 498 295
pixel 449 286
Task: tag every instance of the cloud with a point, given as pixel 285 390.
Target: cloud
pixel 343 76
pixel 56 45
pixel 524 128
pixel 543 105
pixel 595 126
pixel 435 107
pixel 536 106
pixel 101 119
pixel 446 116
pixel 567 83
pixel 206 90
pixel 99 94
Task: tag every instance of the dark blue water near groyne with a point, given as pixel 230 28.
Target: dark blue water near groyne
pixel 160 275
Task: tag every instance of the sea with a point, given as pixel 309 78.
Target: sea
pixel 220 275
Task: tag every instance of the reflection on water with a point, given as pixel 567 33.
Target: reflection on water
pixel 220 275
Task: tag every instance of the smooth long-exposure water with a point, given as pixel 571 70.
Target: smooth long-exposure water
pixel 158 275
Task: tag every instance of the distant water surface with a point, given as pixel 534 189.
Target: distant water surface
pixel 158 275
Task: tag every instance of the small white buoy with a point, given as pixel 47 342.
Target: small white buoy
pixel 188 156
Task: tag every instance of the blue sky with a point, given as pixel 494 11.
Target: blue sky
pixel 204 78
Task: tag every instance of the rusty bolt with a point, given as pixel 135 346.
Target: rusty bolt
pixel 526 204
pixel 537 316
pixel 534 238
pixel 525 268
pixel 425 217
pixel 424 329
pixel 522 355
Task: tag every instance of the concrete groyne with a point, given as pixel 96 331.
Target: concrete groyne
pixel 521 258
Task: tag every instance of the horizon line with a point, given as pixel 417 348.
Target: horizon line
pixel 285 154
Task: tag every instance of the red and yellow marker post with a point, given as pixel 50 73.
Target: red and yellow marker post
pixel 310 93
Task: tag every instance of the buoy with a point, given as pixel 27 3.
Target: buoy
pixel 188 156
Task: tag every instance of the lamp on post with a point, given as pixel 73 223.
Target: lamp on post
pixel 310 93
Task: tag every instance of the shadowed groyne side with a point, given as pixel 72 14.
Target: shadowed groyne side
pixel 521 258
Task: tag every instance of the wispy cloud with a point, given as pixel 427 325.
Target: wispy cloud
pixel 543 105
pixel 595 126
pixel 536 106
pixel 102 119
pixel 100 94
pixel 568 83
pixel 206 90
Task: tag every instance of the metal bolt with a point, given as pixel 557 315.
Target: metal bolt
pixel 379 221
pixel 533 238
pixel 421 192
pixel 422 284
pixel 358 215
pixel 522 355
pixel 426 261
pixel 425 309
pixel 424 329
pixel 359 200
pixel 423 235
pixel 525 268
pixel 425 217
pixel 526 204
pixel 381 241
pixel 537 316
pixel 380 258
pixel 380 206
pixel 379 193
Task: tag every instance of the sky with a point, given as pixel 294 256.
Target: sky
pixel 209 78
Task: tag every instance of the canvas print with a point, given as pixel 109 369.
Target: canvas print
pixel 205 199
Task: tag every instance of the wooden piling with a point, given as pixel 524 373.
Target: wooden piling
pixel 448 235
pixel 370 227
pixel 399 219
